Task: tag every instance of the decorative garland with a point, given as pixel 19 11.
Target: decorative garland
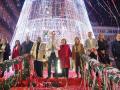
pixel 7 64
pixel 20 75
pixel 96 75
pixel 108 74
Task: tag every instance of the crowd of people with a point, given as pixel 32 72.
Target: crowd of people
pixel 52 52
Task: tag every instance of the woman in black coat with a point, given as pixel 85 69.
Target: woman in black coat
pixel 103 49
pixel 5 49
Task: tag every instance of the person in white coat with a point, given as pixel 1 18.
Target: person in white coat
pixel 91 46
pixel 52 53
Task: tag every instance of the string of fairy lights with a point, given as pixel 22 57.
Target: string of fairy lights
pixel 110 7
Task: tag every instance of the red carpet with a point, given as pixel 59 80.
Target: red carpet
pixel 57 84
pixel 72 73
pixel 71 83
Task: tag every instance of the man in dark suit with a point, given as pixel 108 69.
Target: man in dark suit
pixel 116 50
pixel 27 46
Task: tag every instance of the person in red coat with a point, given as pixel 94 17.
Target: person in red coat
pixel 16 50
pixel 64 55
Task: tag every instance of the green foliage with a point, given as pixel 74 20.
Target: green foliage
pixel 13 80
pixel 8 63
pixel 26 71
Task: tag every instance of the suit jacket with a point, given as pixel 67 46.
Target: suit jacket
pixel 88 45
pixel 41 51
pixel 115 46
pixel 49 48
pixel 26 47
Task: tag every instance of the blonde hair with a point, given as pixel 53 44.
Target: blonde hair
pixel 77 38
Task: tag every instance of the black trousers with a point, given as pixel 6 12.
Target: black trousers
pixel 38 66
pixel 65 72
pixel 78 64
pixel 52 60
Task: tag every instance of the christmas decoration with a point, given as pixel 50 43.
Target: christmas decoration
pixel 68 18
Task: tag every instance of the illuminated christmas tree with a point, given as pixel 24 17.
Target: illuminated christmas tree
pixel 68 18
